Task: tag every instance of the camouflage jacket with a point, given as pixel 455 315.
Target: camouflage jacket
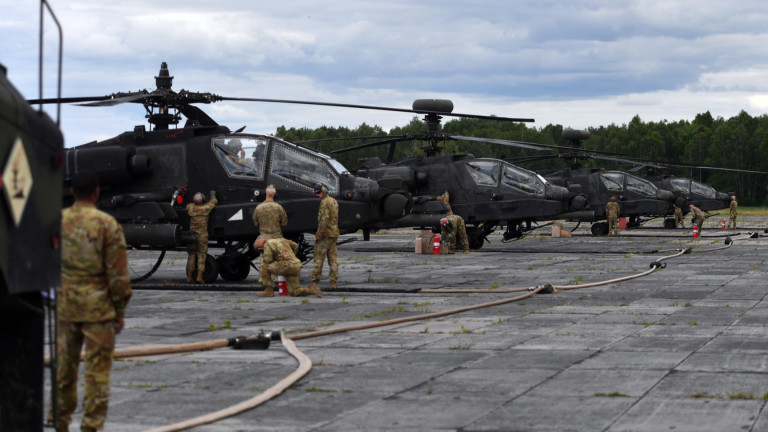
pixel 612 209
pixel 269 216
pixel 328 218
pixel 95 285
pixel 198 215
pixel 280 250
pixel 447 201
pixel 697 214
pixel 733 208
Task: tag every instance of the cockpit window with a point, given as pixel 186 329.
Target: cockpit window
pixel 485 173
pixel 680 184
pixel 640 186
pixel 613 181
pixel 704 190
pixel 242 156
pixel 522 180
pixel 302 168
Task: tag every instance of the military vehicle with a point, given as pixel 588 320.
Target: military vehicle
pixel 31 148
pixel 148 176
pixel 487 193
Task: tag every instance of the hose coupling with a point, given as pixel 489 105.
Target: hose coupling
pixel 658 264
pixel 543 289
pixel 687 251
pixel 253 342
pixel 728 240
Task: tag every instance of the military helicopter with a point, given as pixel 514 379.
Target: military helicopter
pixel 486 192
pixel 148 176
pixel 641 199
pixel 31 146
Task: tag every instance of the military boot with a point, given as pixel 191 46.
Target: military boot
pixel 200 278
pixel 333 284
pixel 189 276
pixel 268 292
pixel 314 289
pixel 87 429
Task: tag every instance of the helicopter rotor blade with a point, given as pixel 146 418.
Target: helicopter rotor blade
pixel 499 141
pixel 378 108
pixel 629 161
pixel 717 168
pixel 112 100
pixel 374 144
pixel 343 139
pixel 66 100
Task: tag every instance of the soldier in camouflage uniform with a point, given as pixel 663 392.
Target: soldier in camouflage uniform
pixel 445 198
pixel 697 216
pixel 733 210
pixel 453 229
pixel 325 238
pixel 270 216
pixel 91 301
pixel 612 211
pixel 198 224
pixel 279 259
pixel 678 217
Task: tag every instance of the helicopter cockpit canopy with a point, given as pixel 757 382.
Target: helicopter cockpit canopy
pixel 522 180
pixel 692 186
pixel 484 173
pixel 615 182
pixel 242 156
pixel 304 167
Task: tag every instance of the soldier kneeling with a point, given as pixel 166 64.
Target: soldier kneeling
pixel 279 258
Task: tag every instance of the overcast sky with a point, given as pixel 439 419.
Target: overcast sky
pixel 577 63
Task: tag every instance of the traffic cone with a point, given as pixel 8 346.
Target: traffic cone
pixel 282 286
pixel 695 231
pixel 436 245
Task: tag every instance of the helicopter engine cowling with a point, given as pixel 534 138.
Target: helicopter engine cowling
pixel 665 195
pixel 557 193
pixel 114 165
pixel 162 235
pixel 397 205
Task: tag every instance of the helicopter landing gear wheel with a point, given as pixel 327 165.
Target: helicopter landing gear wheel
pixel 599 229
pixel 670 223
pixel 211 269
pixel 476 240
pixel 233 268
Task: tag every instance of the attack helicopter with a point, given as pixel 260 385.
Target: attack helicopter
pixel 485 192
pixel 148 176
pixel 641 199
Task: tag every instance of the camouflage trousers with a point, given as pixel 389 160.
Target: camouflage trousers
pixel 197 252
pixel 290 270
pixel 326 248
pixel 679 219
pixel 732 221
pixel 613 225
pixel 99 338
pixel 457 234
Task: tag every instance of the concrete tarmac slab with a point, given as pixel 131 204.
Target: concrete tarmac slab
pixel 683 348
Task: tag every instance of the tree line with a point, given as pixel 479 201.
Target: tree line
pixel 738 143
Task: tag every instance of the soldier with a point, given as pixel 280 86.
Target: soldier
pixel 325 238
pixel 732 212
pixel 198 224
pixel 697 216
pixel 95 289
pixel 452 226
pixel 279 259
pixel 612 211
pixel 678 216
pixel 445 198
pixel 270 216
